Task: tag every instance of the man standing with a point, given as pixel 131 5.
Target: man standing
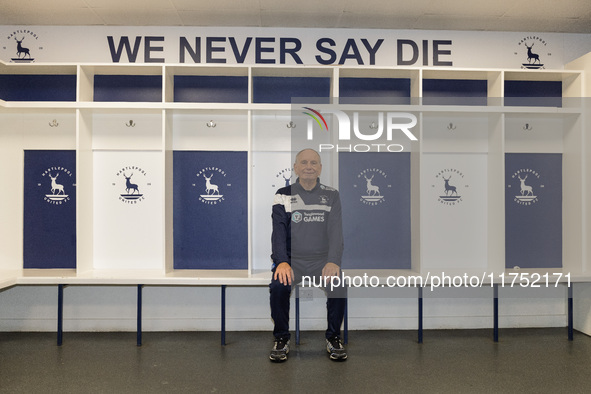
pixel 307 240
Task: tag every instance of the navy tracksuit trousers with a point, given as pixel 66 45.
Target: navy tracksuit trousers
pixel 280 304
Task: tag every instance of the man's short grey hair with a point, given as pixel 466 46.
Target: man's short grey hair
pixel 313 150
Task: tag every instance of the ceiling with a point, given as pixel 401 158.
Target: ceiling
pixel 564 16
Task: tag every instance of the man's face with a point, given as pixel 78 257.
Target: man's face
pixel 307 166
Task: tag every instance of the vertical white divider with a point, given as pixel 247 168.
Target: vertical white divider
pixel 167 95
pixel 416 156
pixel 250 173
pixel 496 175
pixel 582 291
pixel 335 85
pixel 249 189
pixel 84 190
pixel 581 87
pixel 167 198
pixel 167 85
pixel 586 143
pixel 495 88
pixel 416 86
pixel 85 83
pixel 250 85
pixel 335 92
pixel 573 194
pixel 496 193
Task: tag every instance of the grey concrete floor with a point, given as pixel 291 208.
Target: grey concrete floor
pixel 449 361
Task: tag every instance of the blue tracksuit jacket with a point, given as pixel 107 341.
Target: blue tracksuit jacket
pixel 307 227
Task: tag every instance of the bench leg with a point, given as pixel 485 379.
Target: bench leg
pixel 297 314
pixel 139 314
pixel 223 323
pixel 570 311
pixel 60 314
pixel 496 313
pixel 346 323
pixel 420 302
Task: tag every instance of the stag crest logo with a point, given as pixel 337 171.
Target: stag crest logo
pixel 57 186
pixel 531 55
pixel 211 184
pixel 372 183
pixel 450 186
pixel 22 43
pixel 133 182
pixel 527 182
pixel 283 178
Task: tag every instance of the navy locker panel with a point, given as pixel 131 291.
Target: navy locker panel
pixel 49 236
pixel 375 194
pixel 38 87
pixel 210 210
pixel 533 210
pixel 374 91
pixel 533 93
pixel 210 89
pixel 143 88
pixel 455 92
pixel 282 90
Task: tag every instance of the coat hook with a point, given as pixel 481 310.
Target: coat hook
pixel 211 123
pixel 53 123
pixel 451 126
pixel 527 127
pixel 373 125
pixel 130 123
pixel 291 125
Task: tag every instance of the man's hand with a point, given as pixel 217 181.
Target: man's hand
pixel 330 269
pixel 284 273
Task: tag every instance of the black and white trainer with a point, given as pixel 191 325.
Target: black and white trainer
pixel 280 350
pixel 335 348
